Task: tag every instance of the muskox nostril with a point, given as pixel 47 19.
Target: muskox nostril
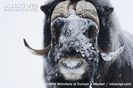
pixel 64 64
pixel 79 64
pixel 72 64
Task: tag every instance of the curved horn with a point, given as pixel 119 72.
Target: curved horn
pixel 87 10
pixel 60 10
pixel 112 55
pixel 37 52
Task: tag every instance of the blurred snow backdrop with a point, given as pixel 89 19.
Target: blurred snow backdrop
pixel 23 19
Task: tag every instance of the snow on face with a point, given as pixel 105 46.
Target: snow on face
pixel 73 37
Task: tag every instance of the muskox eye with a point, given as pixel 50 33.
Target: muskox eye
pixel 56 29
pixel 91 32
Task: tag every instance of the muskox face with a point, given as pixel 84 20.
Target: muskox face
pixel 73 54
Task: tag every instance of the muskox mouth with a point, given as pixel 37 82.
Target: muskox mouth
pixel 72 68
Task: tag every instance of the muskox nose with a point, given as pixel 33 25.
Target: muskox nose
pixel 72 64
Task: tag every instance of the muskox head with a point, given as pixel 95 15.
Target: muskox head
pixel 74 53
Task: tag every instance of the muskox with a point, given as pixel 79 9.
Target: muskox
pixel 84 47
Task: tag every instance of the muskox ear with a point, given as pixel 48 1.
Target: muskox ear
pixel 108 10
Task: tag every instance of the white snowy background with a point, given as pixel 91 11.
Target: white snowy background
pixel 19 68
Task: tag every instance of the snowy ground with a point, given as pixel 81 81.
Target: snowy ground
pixel 19 68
